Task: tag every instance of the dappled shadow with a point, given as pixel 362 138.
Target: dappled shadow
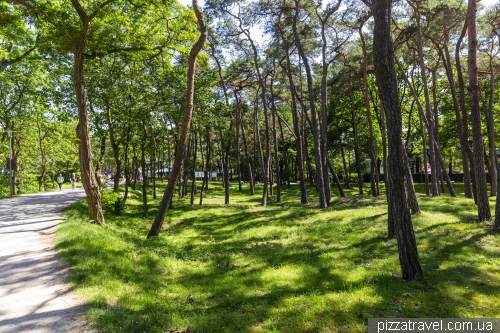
pixel 241 269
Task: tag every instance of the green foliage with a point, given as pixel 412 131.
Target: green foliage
pixel 284 268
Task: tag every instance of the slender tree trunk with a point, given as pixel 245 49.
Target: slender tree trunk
pixel 426 174
pixel 144 180
pixel 100 160
pixel 385 73
pixel 320 185
pixel 374 177
pixel 440 162
pixel 491 129
pixel 245 145
pixel 114 146
pixel 383 130
pixel 295 116
pixel 238 155
pixel 153 165
pixel 127 170
pixel 184 130
pixel 336 179
pixel 136 167
pixel 259 143
pixel 428 109
pixel 193 167
pixel 465 121
pixel 356 140
pixel 285 154
pixel 464 144
pixel 483 206
pixel 275 142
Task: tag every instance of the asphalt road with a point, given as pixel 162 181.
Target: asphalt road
pixel 34 295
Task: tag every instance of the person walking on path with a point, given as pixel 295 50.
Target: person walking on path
pixel 73 181
pixel 60 181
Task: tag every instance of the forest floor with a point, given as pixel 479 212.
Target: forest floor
pixel 34 294
pixel 283 268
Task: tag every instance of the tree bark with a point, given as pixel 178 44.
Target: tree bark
pixel 385 73
pixel 483 206
pixel 89 182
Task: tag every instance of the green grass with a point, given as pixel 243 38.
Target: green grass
pixel 285 268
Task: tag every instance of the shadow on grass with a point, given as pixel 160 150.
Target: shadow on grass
pixel 284 268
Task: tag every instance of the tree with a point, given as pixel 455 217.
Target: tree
pixel 397 197
pixel 181 145
pixel 483 206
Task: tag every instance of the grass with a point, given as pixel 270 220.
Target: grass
pixel 285 268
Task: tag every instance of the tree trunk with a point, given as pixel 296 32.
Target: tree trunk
pixel 181 147
pixel 193 184
pixel 491 129
pixel 428 109
pixel 89 182
pixel 144 180
pixel 295 116
pixel 374 177
pixel 275 142
pixel 336 178
pixel 483 206
pixel 385 73
pixel 100 160
pixel 285 154
pixel 114 146
pixel 245 145
pixel 356 140
pixel 320 185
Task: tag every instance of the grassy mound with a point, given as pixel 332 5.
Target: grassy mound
pixel 285 268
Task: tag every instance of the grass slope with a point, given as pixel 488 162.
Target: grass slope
pixel 285 268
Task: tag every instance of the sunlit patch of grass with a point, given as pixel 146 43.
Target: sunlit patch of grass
pixel 284 268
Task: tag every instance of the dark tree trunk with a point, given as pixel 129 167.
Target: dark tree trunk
pixel 245 145
pixel 356 140
pixel 426 174
pixel 374 179
pixel 114 146
pixel 285 154
pixel 275 142
pixel 336 178
pixel 193 164
pixel 89 182
pixel 144 180
pixel 385 73
pixel 184 130
pixel 100 160
pixel 465 120
pixel 428 109
pixel 483 206
pixel 320 184
pixel 491 127
pixel 295 116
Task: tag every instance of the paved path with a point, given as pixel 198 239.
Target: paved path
pixel 34 296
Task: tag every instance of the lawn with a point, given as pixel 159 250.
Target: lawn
pixel 284 268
